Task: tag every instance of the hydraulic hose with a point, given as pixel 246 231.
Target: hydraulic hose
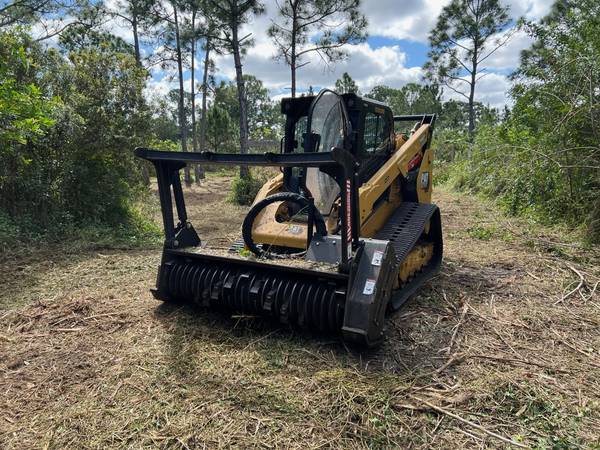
pixel 300 200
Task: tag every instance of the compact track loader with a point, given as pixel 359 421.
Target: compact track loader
pixel 344 234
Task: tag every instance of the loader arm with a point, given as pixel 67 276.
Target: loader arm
pixel 371 191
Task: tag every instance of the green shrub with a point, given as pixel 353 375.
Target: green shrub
pixel 448 144
pixel 244 190
pixel 137 231
pixel 504 164
pixel 69 165
pixel 9 232
pixel 441 173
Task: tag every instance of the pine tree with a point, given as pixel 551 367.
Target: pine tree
pixel 337 23
pixel 463 38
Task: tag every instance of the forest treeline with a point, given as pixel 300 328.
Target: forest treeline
pixel 543 158
pixel 71 112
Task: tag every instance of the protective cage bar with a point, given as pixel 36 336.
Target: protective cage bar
pixel 423 118
pixel 333 158
pixel 337 163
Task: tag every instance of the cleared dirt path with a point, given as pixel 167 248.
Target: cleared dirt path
pixel 504 345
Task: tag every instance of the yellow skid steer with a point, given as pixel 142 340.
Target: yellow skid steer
pixel 344 234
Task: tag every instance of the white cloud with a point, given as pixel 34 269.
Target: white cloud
pixel 493 89
pixel 530 9
pixel 507 56
pixel 402 19
pixel 501 51
pixel 50 27
pixel 115 25
pixel 413 19
pixel 367 65
pixel 160 87
pixel 394 19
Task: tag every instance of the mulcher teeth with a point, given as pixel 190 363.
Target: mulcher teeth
pixel 308 302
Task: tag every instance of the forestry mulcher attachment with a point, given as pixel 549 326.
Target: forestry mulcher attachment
pixel 345 233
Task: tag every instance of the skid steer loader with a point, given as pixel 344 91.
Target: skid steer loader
pixel 344 234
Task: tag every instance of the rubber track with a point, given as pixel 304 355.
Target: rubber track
pixel 403 230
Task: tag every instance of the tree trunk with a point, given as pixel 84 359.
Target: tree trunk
pixel 472 108
pixel 239 76
pixel 204 91
pixel 138 60
pixel 198 170
pixel 293 50
pixel 472 97
pixel 145 174
pixel 293 68
pixel 192 82
pixel 182 126
pixel 136 39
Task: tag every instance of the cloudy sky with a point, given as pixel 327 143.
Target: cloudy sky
pixel 393 54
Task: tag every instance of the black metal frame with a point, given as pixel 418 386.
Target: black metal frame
pixel 423 118
pixel 338 163
pixel 428 119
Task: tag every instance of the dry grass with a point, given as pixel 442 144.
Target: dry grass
pixel 89 359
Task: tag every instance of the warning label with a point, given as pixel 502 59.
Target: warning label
pixel 369 286
pixel 377 257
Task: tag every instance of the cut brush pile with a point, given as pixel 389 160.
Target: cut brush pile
pixel 501 349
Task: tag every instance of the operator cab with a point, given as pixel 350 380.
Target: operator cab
pixel 362 126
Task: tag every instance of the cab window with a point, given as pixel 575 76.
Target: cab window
pixel 375 133
pixel 299 131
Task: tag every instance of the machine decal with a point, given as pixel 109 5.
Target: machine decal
pixel 294 229
pixel 415 161
pixel 425 180
pixel 377 257
pixel 369 286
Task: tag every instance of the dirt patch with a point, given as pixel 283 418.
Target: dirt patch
pixel 505 340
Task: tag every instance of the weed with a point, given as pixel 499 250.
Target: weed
pixel 480 232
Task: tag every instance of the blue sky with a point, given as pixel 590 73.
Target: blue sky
pixel 393 54
pixel 416 52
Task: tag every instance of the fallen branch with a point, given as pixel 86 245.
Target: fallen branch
pixel 572 347
pixel 466 433
pixel 468 422
pixel 593 290
pixel 64 319
pixel 579 285
pixel 95 316
pixel 465 308
pixel 262 338
pixel 454 359
pixel 504 322
pixel 533 276
pixel 522 361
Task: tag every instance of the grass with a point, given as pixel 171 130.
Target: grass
pixel 89 359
